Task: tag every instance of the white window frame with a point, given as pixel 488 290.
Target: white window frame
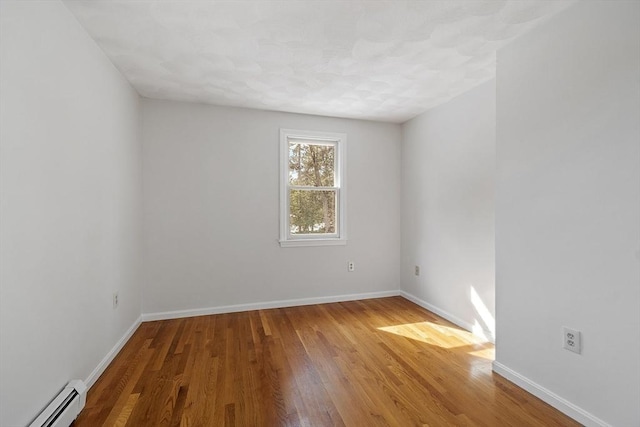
pixel 339 140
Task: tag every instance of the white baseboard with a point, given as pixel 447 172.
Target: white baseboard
pixel 445 314
pixel 148 317
pixel 93 377
pixel 549 397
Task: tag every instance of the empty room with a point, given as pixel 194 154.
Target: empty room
pixel 319 213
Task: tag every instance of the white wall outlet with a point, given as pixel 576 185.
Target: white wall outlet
pixel 115 300
pixel 572 340
pixel 351 266
pixel 417 270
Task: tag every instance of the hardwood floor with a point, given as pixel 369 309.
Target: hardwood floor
pixel 382 362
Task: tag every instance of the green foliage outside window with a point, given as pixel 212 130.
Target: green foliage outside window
pixel 312 206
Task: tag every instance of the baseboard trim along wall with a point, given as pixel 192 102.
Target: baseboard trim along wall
pixel 93 377
pixel 549 397
pixel 148 317
pixel 445 314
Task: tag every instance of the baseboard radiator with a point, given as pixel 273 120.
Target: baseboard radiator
pixel 64 409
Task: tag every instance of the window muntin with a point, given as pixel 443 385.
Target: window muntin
pixel 313 205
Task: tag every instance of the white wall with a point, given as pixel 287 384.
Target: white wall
pixel 70 208
pixel 568 208
pixel 448 171
pixel 211 210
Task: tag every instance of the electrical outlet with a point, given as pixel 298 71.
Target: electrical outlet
pixel 115 300
pixel 417 270
pixel 351 266
pixel 571 340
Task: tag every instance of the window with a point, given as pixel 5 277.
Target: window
pixel 312 188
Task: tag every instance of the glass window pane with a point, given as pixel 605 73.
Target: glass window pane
pixel 312 211
pixel 311 164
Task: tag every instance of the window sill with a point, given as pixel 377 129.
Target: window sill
pixel 312 242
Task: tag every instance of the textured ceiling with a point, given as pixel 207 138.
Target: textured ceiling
pixel 373 60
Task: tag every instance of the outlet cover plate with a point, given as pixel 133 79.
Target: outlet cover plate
pixel 572 340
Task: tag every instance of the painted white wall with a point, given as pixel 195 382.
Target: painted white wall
pixel 70 208
pixel 448 172
pixel 568 207
pixel 211 206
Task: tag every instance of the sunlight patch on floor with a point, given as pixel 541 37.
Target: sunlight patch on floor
pixel 435 334
pixel 485 353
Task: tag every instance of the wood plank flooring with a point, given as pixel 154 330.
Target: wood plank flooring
pixel 381 362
